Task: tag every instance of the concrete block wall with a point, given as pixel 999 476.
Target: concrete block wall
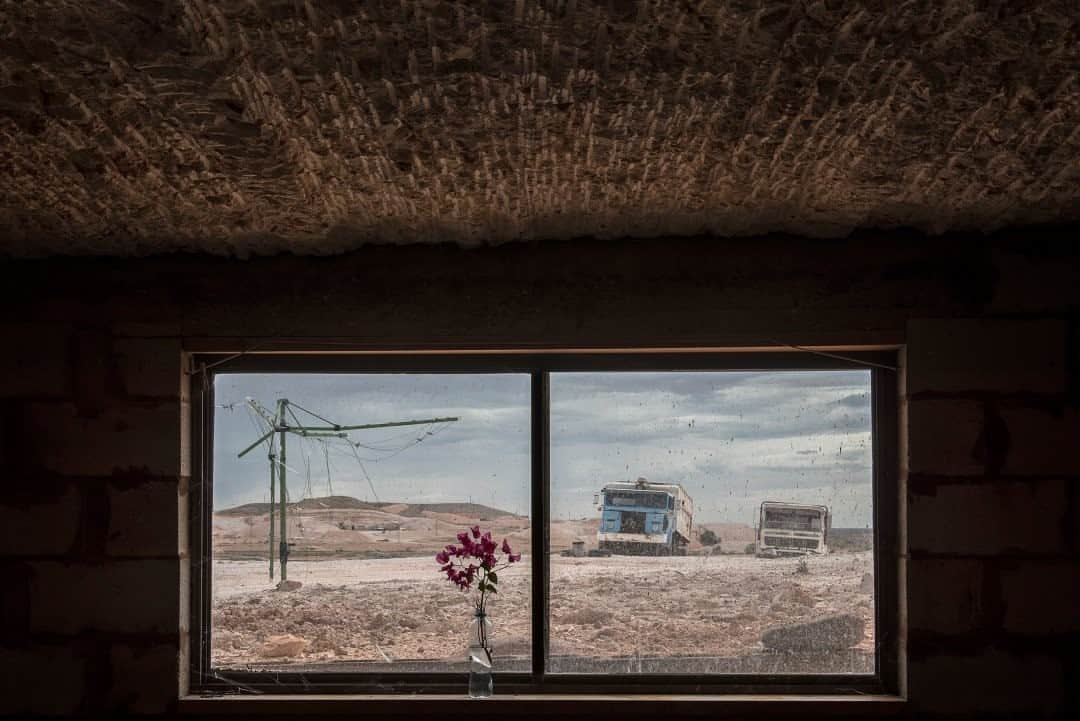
pixel 93 419
pixel 993 578
pixel 91 511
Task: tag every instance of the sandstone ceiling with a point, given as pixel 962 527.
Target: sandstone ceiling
pixel 255 126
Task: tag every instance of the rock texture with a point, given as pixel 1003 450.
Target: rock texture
pixel 823 635
pixel 255 126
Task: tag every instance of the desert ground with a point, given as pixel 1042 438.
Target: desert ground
pixel 373 597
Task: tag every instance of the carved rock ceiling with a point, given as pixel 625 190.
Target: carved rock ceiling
pixel 255 126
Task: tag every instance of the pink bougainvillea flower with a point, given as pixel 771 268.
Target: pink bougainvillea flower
pixel 476 545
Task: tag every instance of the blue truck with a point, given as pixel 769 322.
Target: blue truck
pixel 640 518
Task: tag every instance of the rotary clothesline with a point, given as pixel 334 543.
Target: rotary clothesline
pixel 275 428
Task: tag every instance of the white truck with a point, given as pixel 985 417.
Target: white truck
pixel 792 529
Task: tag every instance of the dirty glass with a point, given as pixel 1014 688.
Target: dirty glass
pixel 697 585
pixel 366 512
pixel 632 498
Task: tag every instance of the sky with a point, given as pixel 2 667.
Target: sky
pixel 733 439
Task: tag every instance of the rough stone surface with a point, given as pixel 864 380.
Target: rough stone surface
pixel 947 597
pixel 835 632
pixel 143 520
pixel 1026 516
pixel 37 361
pixel 944 437
pixel 121 597
pixel 144 680
pixel 1043 440
pixel 987 355
pixel 48 679
pixel 994 683
pixel 117 439
pixel 41 526
pixel 142 125
pixel 1042 597
pixel 1036 283
pixel 149 366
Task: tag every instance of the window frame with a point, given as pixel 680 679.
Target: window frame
pixel 885 681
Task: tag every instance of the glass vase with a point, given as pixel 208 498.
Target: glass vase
pixel 480 660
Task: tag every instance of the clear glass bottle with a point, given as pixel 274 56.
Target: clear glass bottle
pixel 480 660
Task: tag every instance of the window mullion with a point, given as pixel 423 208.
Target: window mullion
pixel 540 505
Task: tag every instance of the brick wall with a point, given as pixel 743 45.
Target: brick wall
pixel 93 417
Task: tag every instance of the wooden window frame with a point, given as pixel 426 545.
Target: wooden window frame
pixel 539 685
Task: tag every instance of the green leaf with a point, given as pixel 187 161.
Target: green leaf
pixel 492 589
pixel 492 577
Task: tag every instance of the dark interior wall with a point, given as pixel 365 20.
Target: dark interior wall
pixel 93 413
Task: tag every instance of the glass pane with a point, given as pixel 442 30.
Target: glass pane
pixel 366 512
pixel 711 522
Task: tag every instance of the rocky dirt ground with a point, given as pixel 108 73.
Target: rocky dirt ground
pixel 397 611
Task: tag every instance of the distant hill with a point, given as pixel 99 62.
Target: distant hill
pixel 851 539
pixel 254 509
pixel 473 510
pixel 409 510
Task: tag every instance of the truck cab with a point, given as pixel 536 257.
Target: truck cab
pixel 643 518
pixel 792 529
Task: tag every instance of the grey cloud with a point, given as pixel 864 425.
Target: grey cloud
pixel 730 435
pixel 856 400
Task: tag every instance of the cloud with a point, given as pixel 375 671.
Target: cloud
pixel 732 438
pixel 856 400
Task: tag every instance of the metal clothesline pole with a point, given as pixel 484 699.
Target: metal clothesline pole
pixel 279 424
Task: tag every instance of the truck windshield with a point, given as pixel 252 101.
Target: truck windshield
pixel 792 520
pixel 638 499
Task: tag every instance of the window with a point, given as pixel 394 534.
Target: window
pixel 702 523
pixel 366 510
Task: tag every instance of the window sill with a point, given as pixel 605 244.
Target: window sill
pixel 630 705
